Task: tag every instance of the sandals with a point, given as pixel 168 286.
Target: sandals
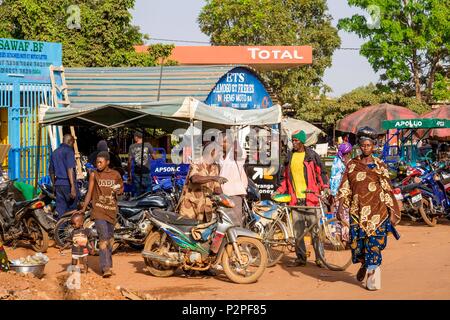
pixel 361 274
pixel 107 273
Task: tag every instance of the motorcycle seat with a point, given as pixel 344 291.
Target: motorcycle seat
pixel 174 218
pixel 409 187
pixel 47 188
pixel 397 184
pixel 22 204
pixel 127 204
pixel 150 201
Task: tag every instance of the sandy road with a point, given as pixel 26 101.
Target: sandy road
pixel 415 267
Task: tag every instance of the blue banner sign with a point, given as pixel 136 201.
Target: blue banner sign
pixel 240 89
pixel 162 169
pixel 28 60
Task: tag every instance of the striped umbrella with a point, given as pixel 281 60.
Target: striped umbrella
pixel 372 116
pixel 442 112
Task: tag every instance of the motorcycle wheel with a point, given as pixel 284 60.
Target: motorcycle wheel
pixel 425 211
pixel 154 243
pixel 39 237
pixel 254 256
pixel 275 240
pixel 136 246
pixel 62 231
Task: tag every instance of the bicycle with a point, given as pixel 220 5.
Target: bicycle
pixel 277 232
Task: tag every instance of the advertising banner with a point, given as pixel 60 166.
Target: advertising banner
pixel 28 60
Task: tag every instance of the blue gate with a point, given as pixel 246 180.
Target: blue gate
pixel 25 85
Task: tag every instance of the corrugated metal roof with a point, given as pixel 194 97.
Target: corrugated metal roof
pixel 99 86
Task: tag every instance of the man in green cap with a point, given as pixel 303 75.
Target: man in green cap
pixel 303 178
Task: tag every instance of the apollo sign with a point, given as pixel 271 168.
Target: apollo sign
pixel 408 123
pixel 422 123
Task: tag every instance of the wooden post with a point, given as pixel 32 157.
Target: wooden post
pixel 77 154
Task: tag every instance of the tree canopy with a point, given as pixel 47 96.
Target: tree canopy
pixel 277 22
pixel 409 44
pixel 94 33
pixel 329 111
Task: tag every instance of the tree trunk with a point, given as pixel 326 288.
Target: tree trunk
pixel 431 77
pixel 416 76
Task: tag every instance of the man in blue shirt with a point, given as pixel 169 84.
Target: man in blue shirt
pixel 62 172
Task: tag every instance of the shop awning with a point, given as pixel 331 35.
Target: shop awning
pixel 291 125
pixel 372 116
pixel 168 114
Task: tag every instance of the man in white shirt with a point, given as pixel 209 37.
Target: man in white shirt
pixel 232 168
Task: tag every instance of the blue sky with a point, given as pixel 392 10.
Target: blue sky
pixel 177 19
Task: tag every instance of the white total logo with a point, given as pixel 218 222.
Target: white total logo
pixel 262 54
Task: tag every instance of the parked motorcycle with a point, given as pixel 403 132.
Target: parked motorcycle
pixel 24 220
pixel 132 224
pixel 193 246
pixel 433 189
pixel 413 205
pixel 422 192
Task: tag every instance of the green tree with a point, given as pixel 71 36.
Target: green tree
pixel 94 33
pixel 409 43
pixel 277 22
pixel 441 90
pixel 329 111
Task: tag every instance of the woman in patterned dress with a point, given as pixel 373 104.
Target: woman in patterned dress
pixel 366 191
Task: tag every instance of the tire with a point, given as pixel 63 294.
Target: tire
pixel 333 253
pixel 424 210
pixel 227 260
pixel 2 224
pixel 39 236
pixel 136 246
pixel 62 231
pixel 153 244
pixel 275 242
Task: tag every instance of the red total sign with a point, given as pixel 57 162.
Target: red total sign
pixel 265 57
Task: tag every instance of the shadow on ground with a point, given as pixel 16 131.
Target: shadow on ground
pixel 322 274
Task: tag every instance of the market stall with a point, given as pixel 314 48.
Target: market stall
pixel 405 137
pixel 372 116
pixel 169 115
pixel 440 113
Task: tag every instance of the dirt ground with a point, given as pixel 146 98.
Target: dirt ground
pixel 415 267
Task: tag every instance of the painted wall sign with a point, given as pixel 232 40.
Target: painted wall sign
pixel 162 169
pixel 241 89
pixel 28 60
pixel 24 85
pixel 259 57
pixel 416 123
pixel 263 177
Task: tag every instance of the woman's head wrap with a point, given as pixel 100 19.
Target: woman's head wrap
pixel 344 148
pixel 367 133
